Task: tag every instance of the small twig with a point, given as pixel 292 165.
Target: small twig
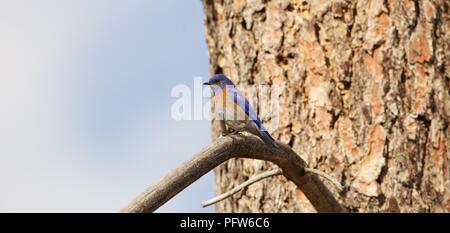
pixel 326 176
pixel 262 176
pixel 236 189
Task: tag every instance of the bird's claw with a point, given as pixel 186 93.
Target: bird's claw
pixel 233 132
pixel 230 132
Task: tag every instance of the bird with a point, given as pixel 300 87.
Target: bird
pixel 234 110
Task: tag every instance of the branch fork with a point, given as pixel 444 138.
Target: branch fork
pixel 239 146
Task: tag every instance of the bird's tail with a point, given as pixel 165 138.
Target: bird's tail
pixel 262 133
pixel 265 136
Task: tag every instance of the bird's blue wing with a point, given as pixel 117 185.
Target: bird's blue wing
pixel 243 103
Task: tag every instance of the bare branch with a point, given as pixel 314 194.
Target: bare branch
pixel 235 146
pixel 326 176
pixel 248 182
pixel 262 176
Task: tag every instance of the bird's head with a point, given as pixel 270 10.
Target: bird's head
pixel 219 80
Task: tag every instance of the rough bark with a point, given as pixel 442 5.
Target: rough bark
pixel 364 95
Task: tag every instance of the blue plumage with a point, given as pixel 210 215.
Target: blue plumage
pixel 222 84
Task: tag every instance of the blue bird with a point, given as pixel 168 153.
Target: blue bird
pixel 234 110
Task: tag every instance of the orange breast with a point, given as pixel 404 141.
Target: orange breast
pixel 224 104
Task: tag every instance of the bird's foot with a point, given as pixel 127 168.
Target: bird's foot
pixel 233 132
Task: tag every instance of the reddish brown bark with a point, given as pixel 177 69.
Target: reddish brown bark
pixel 364 90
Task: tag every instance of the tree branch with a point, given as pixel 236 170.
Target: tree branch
pixel 326 176
pixel 235 146
pixel 261 176
pixel 236 189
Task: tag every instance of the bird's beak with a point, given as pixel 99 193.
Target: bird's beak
pixel 207 83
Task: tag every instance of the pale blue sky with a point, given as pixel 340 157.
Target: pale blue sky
pixel 85 102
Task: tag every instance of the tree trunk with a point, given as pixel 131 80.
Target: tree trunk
pixel 361 91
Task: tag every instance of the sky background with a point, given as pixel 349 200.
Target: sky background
pixel 85 104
